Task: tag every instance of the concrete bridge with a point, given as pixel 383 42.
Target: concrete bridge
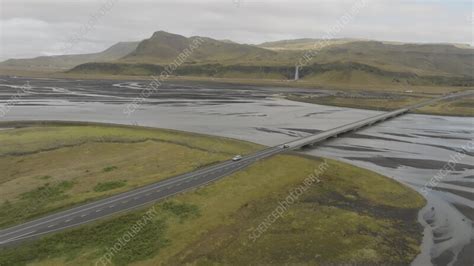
pixel 352 127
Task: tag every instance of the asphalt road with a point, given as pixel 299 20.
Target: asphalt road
pixel 138 197
pixel 128 200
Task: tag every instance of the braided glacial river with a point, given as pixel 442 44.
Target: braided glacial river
pixel 413 149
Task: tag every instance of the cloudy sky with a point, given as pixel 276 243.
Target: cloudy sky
pixel 45 27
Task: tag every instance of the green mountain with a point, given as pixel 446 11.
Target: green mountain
pixel 421 59
pixel 302 44
pixel 64 62
pixel 338 61
pixel 164 47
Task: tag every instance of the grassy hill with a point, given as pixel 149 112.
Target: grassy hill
pixel 302 44
pixel 338 62
pixel 164 47
pixel 63 62
pixel 341 61
pixel 422 59
pixel 330 73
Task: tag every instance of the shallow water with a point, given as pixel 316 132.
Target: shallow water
pixel 411 149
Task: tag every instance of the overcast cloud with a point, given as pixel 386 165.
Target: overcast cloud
pixel 32 28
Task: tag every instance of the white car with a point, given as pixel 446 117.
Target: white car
pixel 285 146
pixel 237 158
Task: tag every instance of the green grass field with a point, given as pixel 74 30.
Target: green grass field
pixel 351 216
pixel 457 107
pixel 94 161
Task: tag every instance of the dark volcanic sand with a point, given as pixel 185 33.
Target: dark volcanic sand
pixel 394 162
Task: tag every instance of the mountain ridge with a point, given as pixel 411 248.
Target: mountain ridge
pixel 64 62
pixel 164 47
pixel 341 60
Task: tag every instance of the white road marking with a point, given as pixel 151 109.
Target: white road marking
pixel 105 202
pixel 116 199
pixel 13 238
pixel 130 208
pixel 51 225
pixel 99 210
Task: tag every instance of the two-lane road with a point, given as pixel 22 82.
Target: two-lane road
pixel 128 200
